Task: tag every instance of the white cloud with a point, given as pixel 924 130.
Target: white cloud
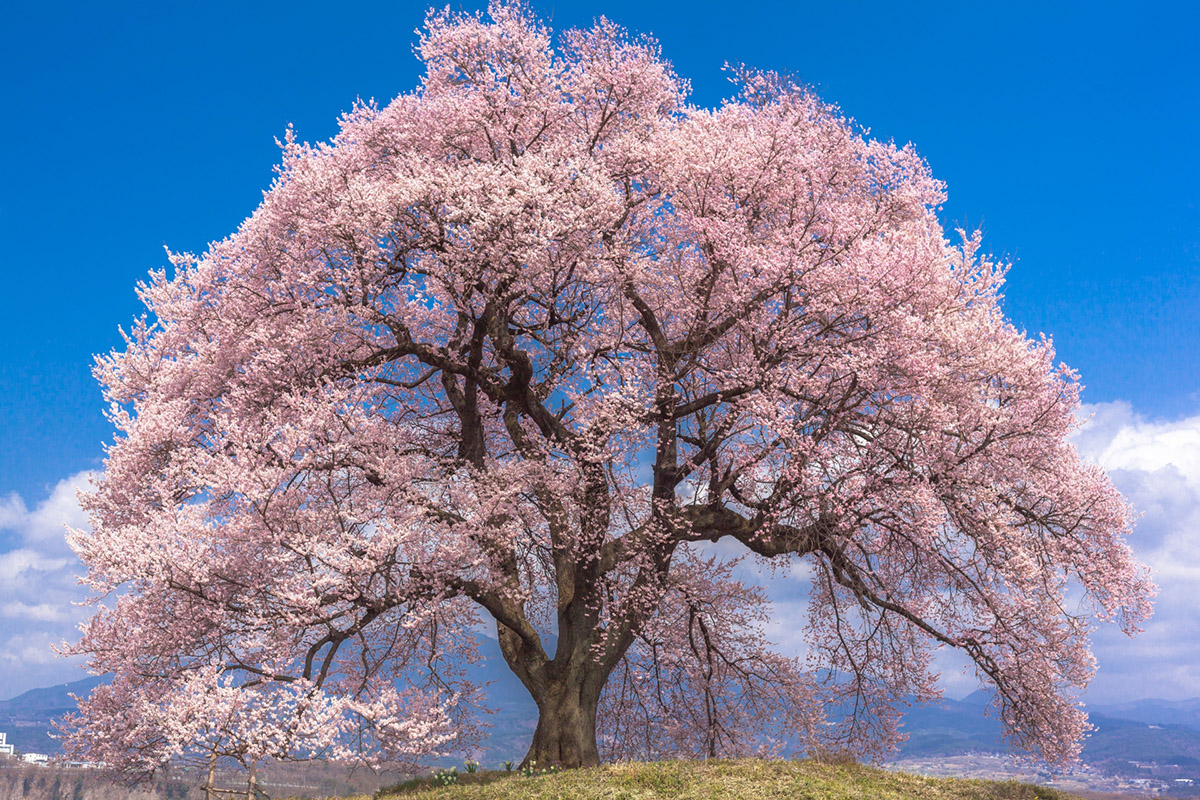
pixel 39 589
pixel 45 525
pixel 1116 438
pixel 1156 465
pixel 23 564
pixel 32 662
pixel 12 511
pixel 42 612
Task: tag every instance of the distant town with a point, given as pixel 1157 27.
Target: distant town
pixel 39 759
pixel 1157 779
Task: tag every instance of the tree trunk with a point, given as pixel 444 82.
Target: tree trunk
pixel 566 688
pixel 566 729
pixel 212 776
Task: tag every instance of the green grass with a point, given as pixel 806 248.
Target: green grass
pixel 718 780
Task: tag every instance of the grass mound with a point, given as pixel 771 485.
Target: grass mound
pixel 746 779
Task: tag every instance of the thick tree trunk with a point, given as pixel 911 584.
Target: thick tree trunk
pixel 566 729
pixel 567 692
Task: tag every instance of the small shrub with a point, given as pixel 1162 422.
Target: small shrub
pixel 508 766
pixel 472 766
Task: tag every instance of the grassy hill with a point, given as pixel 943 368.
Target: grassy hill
pixel 747 779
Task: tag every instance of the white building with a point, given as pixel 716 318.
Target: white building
pixel 6 749
pixel 41 759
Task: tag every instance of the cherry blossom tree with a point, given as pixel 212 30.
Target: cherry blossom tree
pixel 543 347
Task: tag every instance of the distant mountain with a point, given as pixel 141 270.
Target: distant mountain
pixel 1130 740
pixel 51 698
pixel 958 727
pixel 1158 731
pixel 514 714
pixel 504 688
pixel 27 717
pixel 951 727
pixel 1155 712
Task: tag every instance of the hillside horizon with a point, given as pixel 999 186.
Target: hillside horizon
pixel 949 727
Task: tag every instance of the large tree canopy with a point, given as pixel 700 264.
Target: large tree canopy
pixel 516 349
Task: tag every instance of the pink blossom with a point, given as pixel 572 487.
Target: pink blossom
pixel 506 349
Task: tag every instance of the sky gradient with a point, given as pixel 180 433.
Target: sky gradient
pixel 1067 134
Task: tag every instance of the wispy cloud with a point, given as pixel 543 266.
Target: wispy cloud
pixel 38 588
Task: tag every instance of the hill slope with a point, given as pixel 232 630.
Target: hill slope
pixel 27 717
pixel 956 727
pixel 1155 712
pixel 747 779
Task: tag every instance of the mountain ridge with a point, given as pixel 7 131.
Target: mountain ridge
pixel 1155 730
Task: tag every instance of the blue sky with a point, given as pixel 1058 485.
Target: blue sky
pixel 1069 134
